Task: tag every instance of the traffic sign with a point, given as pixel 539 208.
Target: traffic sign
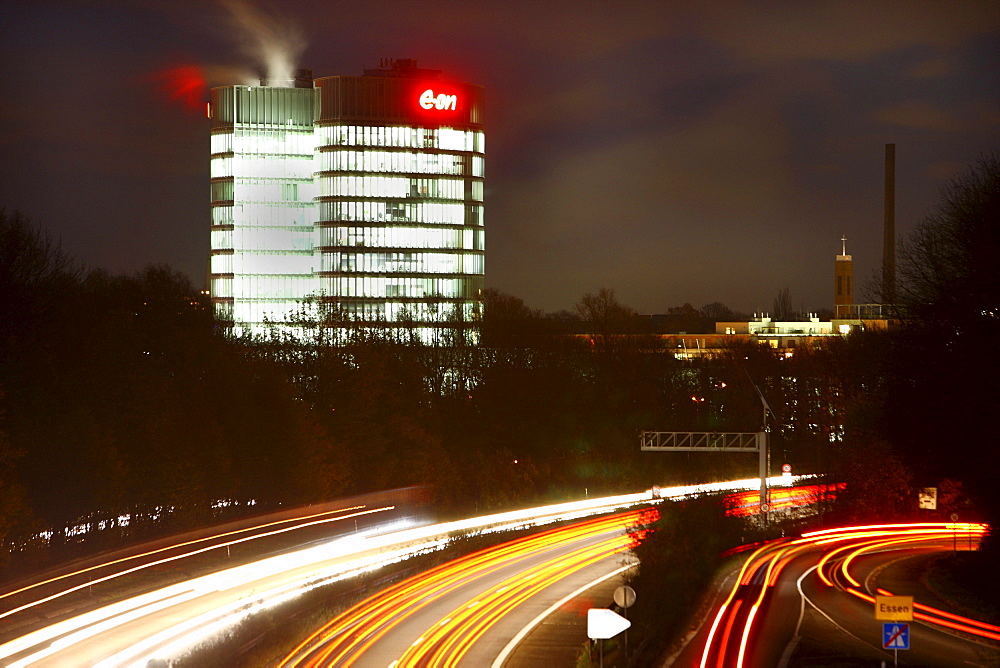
pixel 603 623
pixel 895 635
pixel 894 608
pixel 624 596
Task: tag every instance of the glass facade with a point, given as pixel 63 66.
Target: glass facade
pixel 355 192
pixel 399 230
pixel 263 203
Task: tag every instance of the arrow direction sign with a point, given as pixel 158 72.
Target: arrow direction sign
pixel 603 623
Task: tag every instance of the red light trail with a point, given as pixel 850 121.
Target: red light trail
pixel 345 639
pixel 833 552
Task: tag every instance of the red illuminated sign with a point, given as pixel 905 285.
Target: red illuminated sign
pixel 441 101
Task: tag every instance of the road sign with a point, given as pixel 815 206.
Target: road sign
pixel 624 596
pixel 895 635
pixel 894 608
pixel 927 498
pixel 603 623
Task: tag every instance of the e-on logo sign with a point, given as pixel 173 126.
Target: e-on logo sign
pixel 442 102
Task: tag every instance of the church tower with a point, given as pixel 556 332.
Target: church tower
pixel 844 277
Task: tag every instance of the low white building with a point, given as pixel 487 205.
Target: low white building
pixel 779 333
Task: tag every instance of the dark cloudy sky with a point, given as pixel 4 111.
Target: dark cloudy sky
pixel 674 151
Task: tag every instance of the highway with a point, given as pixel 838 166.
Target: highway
pixel 462 613
pixel 55 621
pixel 166 621
pixel 65 586
pixel 817 592
pixel 114 632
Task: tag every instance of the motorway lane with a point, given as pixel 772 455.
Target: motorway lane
pixel 802 620
pixel 191 601
pixel 119 635
pixel 930 644
pixel 164 623
pixel 465 612
pixel 86 583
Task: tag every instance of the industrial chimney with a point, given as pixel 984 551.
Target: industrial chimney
pixel 889 228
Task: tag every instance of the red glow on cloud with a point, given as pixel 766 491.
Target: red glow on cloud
pixel 185 84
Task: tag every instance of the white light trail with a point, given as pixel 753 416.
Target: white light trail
pixel 343 558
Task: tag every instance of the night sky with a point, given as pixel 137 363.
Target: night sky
pixel 675 152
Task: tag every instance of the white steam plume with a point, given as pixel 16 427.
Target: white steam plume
pixel 274 42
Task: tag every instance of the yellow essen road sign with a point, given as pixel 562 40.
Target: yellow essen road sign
pixel 894 608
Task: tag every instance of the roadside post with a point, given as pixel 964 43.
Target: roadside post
pixel 624 598
pixel 895 636
pixel 893 611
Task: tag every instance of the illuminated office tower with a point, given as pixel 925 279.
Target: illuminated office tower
pixel 262 201
pixel 399 166
pixel 365 192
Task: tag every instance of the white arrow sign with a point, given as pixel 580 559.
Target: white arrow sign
pixel 603 623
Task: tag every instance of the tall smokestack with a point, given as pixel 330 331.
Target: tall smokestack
pixel 889 228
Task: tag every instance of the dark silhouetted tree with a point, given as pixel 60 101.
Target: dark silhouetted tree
pixel 604 314
pixel 686 319
pixel 948 264
pixel 719 312
pixel 507 322
pixel 36 277
pixel 942 411
pixel 782 307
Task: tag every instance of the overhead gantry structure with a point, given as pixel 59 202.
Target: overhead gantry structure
pixel 713 441
pixel 716 441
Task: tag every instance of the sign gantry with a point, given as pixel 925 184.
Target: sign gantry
pixel 712 441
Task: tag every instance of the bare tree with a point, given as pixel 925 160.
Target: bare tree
pixel 944 390
pixel 783 306
pixel 28 256
pixel 948 264
pixel 604 314
pixel 718 312
pixel 508 322
pixel 33 271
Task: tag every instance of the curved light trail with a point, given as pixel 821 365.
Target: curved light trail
pixel 833 552
pixel 345 640
pixel 135 630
